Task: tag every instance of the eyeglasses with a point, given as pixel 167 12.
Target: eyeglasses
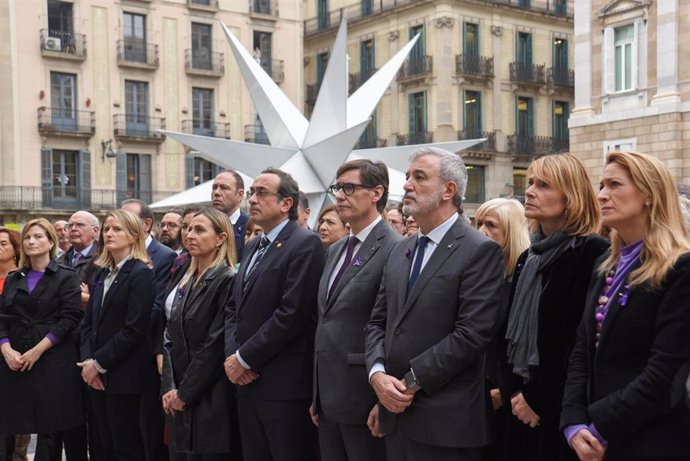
pixel 348 188
pixel 78 225
pixel 170 225
pixel 261 193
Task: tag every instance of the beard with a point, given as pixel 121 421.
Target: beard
pixel 423 204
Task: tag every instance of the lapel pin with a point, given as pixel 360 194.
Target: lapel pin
pixel 358 261
pixel 408 253
pixel 279 244
pixel 450 246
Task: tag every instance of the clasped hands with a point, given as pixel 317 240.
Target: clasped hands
pixel 236 373
pixel 172 403
pixel 523 411
pixel 90 374
pixel 391 392
pixel 21 362
pixel 587 446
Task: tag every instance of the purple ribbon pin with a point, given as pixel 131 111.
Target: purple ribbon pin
pixel 358 261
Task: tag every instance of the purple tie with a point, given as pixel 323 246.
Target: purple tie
pixel 351 243
pixel 76 259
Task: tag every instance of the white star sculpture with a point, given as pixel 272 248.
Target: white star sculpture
pixel 310 151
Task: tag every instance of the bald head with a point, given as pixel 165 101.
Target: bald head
pixel 83 229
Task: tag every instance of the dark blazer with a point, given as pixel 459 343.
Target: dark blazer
pixel 193 364
pixel 240 229
pixel 440 331
pixel 85 267
pixel 632 387
pixel 341 387
pixel 178 270
pixel 162 259
pixel 114 329
pixel 47 398
pixel 271 317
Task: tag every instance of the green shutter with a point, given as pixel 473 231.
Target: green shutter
pixel 84 181
pixel 530 117
pixel 412 125
pixel 189 171
pixel 47 176
pixel 120 177
pixel 145 178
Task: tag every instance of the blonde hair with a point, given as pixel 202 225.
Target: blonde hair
pixel 567 175
pixel 225 252
pixel 44 224
pixel 665 237
pixel 134 228
pixel 512 221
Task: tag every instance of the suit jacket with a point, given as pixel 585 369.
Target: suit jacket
pixel 162 259
pixel 632 386
pixel 271 317
pixel 440 331
pixel 114 331
pixel 341 387
pixel 240 229
pixel 85 267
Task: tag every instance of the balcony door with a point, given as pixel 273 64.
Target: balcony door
pixel 367 59
pixel 201 46
pixel 560 61
pixel 65 186
pixel 263 43
pixel 471 47
pixel 524 49
pixel 202 111
pixel 63 99
pixel 417 116
pixel 137 108
pixel 134 35
pixel 473 115
pixel 61 22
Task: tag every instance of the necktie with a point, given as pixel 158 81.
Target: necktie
pixel 77 257
pixel 417 268
pixel 263 244
pixel 351 243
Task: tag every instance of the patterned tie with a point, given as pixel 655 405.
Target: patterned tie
pixel 417 268
pixel 77 257
pixel 263 244
pixel 351 243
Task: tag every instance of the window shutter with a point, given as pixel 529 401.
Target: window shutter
pixel 189 171
pixel 635 64
pixel 84 180
pixel 412 125
pixel 609 64
pixel 47 176
pixel 424 121
pixel 529 49
pixel 479 112
pixel 120 177
pixel 530 117
pixel 145 178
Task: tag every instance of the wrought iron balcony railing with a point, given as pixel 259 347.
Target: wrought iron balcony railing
pixel 202 62
pixel 139 127
pixel 369 142
pixel 275 68
pixel 137 53
pixel 311 92
pixel 527 148
pixel 561 77
pixel 256 134
pixel 267 7
pixel 203 4
pixel 474 66
pixel 66 121
pixel 527 73
pixel 59 43
pixel 488 145
pixel 357 79
pixel 206 128
pixel 418 137
pixel 416 67
pixel 77 198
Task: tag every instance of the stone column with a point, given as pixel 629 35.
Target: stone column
pixel 666 53
pixel 583 60
pixel 443 71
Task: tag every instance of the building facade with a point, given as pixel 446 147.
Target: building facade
pixel 501 70
pixel 87 84
pixel 633 82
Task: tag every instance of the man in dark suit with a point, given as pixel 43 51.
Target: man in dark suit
pixel 226 196
pixel 343 398
pixel 434 315
pixel 270 324
pixel 162 258
pixel 83 229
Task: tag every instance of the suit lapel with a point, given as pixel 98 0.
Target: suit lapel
pixel 120 278
pixel 334 254
pixel 405 267
pixel 201 287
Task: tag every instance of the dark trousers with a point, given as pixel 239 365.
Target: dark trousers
pixel 349 442
pixel 277 430
pixel 117 418
pixel 205 457
pixel 401 448
pixel 152 419
pixel 6 447
pixel 49 446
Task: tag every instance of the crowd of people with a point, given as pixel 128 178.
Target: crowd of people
pixel 553 328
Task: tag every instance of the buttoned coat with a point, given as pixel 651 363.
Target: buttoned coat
pixel 193 364
pixel 341 386
pixel 632 386
pixel 48 397
pixel 440 330
pixel 114 331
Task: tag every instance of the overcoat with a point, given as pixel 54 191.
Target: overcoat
pixel 47 398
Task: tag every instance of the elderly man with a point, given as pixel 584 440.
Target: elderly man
pixel 395 219
pixel 170 230
pixel 434 315
pixel 226 195
pixel 83 228
pixel 343 398
pixel 63 237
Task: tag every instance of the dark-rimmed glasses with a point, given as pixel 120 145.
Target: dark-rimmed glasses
pixel 348 188
pixel 261 193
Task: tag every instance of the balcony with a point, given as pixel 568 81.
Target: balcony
pixel 527 74
pixel 419 137
pixel 558 77
pixel 370 142
pixel 275 68
pixel 524 148
pixel 256 134
pixel 487 146
pixel 37 198
pixel 474 67
pixel 357 79
pixel 66 122
pixel 137 54
pixel 61 44
pixel 263 7
pixel 203 5
pixel 138 128
pixel 416 68
pixel 201 62
pixel 206 128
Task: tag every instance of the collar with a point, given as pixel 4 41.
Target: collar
pixel 235 216
pixel 119 265
pixel 85 251
pixel 149 239
pixel 271 236
pixel 364 233
pixel 440 231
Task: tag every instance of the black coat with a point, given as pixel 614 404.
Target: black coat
pixel 632 387
pixel 115 327
pixel 193 357
pixel 562 301
pixel 47 398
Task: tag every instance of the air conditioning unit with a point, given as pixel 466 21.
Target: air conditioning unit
pixel 52 44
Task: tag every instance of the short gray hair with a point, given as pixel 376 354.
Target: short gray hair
pixel 452 169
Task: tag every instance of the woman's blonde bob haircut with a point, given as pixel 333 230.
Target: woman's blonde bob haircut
pixel 665 237
pixel 567 175
pixel 133 228
pixel 513 224
pixel 225 252
pixel 44 224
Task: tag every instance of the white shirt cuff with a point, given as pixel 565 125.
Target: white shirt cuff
pixel 376 367
pixel 242 362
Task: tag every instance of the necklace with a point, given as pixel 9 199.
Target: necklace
pixel 605 301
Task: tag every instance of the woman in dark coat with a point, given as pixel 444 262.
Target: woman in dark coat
pixel 39 310
pixel 625 394
pixel 195 392
pixel 548 292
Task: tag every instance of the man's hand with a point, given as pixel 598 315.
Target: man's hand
pixel 159 364
pixel 90 374
pixel 391 392
pixel 496 401
pixel 84 295
pixel 12 358
pixel 312 414
pixel 373 422
pixel 236 373
pixel 523 411
pixel 172 403
pixel 587 447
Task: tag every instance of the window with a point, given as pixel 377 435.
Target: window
pixel 321 63
pixel 519 181
pixel 369 138
pixel 262 6
pixel 63 99
pixel 263 50
pixel 561 112
pixel 623 43
pixel 473 114
pixel 367 7
pixel 419 49
pixel 475 184
pixel 629 144
pixel 560 60
pixel 61 21
pixel 202 111
pixel 471 39
pixel 201 46
pixel 199 171
pixel 525 117
pixel 367 58
pixel 323 16
pixel 524 3
pixel 66 178
pixel 139 177
pixel 134 34
pixel 65 184
pixel 524 48
pixel 620 54
pixel 137 108
pixel 417 116
pixel 560 7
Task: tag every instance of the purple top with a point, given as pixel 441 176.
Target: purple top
pixel 629 255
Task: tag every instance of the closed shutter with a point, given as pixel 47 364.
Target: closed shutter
pixel 120 177
pixel 84 180
pixel 145 178
pixel 189 171
pixel 609 56
pixel 47 176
